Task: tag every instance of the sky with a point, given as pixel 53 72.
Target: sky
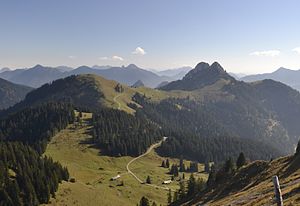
pixel 249 36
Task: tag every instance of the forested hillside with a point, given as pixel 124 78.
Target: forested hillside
pixel 34 126
pixel 25 177
pixel 11 93
pixel 80 91
pixel 196 133
pixel 265 111
pixel 120 134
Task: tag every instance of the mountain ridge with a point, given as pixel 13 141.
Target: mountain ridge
pixel 284 75
pixel 11 93
pixel 202 75
pixel 39 75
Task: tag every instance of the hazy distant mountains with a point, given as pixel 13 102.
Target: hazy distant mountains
pixel 175 74
pixel 286 76
pixel 4 69
pixel 39 75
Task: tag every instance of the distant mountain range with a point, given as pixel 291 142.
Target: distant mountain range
pixel 4 69
pixel 177 73
pixel 286 76
pixel 39 75
pixel 11 93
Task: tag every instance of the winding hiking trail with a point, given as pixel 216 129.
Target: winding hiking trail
pixel 136 158
pixel 115 100
pixel 146 153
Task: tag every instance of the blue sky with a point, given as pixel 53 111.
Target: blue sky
pixel 244 36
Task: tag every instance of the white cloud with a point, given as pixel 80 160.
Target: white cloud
pixel 268 53
pixel 117 58
pixel 297 50
pixel 139 51
pixel 71 57
pixel 103 58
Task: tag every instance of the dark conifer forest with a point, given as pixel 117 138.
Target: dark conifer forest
pixel 25 177
pixel 35 126
pixel 119 133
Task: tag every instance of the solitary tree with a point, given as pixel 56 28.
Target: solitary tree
pixel 163 164
pixel 241 160
pixel 144 201
pixel 148 180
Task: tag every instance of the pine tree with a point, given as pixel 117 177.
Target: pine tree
pixel 298 148
pixel 169 196
pixel 163 164
pixel 191 185
pixel 241 160
pixel 181 190
pixel 174 170
pixel 229 166
pixel 167 163
pixel 175 197
pixel 148 180
pixel 207 167
pixel 144 201
pixel 212 177
pixel 181 165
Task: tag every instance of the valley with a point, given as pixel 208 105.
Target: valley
pixel 105 138
pixel 93 171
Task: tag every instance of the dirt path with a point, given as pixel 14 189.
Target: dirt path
pixel 146 153
pixel 115 100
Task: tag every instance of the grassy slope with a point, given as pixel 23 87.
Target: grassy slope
pixel 107 87
pixel 257 187
pixel 93 172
